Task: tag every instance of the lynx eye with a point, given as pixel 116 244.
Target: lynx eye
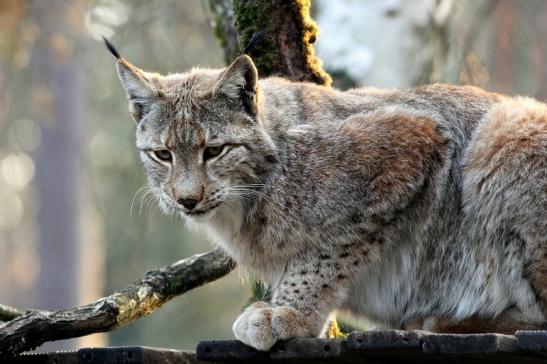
pixel 211 152
pixel 163 155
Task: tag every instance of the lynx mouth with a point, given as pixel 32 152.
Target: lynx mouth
pixel 203 212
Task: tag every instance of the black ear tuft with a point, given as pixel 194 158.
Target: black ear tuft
pixel 111 48
pixel 255 39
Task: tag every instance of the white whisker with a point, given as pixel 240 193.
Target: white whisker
pixel 143 188
pixel 146 199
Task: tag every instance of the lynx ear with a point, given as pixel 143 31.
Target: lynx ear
pixel 134 81
pixel 239 82
pixel 138 86
pixel 140 90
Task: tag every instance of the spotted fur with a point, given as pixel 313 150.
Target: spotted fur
pixel 418 208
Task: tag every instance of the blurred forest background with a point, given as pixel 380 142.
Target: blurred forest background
pixel 73 224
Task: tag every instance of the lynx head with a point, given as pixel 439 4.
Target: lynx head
pixel 199 135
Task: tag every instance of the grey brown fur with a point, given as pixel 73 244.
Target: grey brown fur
pixel 420 208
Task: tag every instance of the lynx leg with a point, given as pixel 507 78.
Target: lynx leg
pixel 538 278
pixel 507 323
pixel 303 299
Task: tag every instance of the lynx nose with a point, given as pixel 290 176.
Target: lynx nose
pixel 188 203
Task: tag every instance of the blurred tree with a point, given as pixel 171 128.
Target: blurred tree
pixel 59 107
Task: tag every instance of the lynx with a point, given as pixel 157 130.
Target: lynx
pixel 423 208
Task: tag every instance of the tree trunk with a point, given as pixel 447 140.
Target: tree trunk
pixel 287 47
pixel 60 108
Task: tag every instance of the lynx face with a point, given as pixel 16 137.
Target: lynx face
pixel 199 136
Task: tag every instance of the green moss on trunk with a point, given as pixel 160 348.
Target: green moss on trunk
pixel 287 49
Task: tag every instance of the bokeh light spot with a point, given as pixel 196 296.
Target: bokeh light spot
pixel 17 169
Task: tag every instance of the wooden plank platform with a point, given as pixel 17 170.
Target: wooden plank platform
pixel 369 346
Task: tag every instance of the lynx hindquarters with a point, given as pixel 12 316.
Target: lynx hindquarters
pixel 505 192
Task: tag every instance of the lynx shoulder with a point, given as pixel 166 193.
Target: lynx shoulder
pixel 420 208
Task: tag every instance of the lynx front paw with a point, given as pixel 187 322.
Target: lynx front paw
pixel 260 325
pixel 254 327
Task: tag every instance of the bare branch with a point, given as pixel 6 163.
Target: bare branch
pixel 33 328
